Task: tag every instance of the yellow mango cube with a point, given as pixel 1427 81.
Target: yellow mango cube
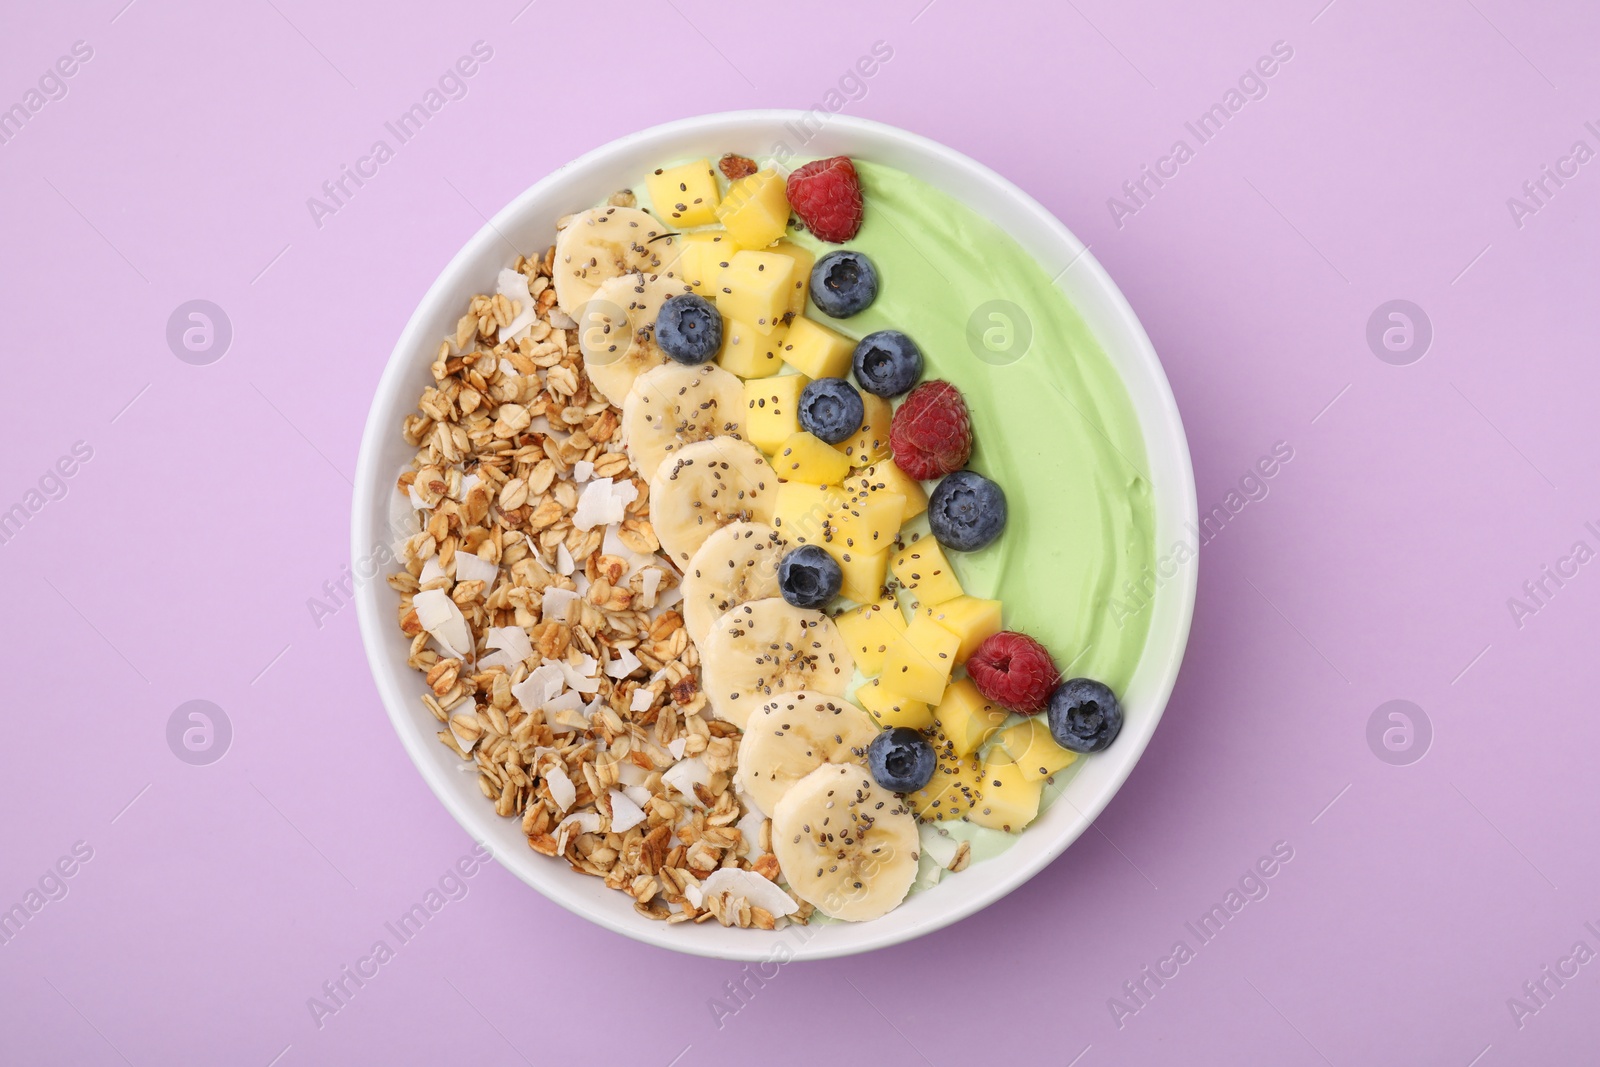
pixel 918 663
pixel 748 352
pixel 886 477
pixel 870 443
pixel 1029 745
pixel 955 788
pixel 925 573
pixel 966 718
pixel 1009 801
pixel 702 255
pixel 968 617
pixel 816 351
pixel 800 288
pixel 805 457
pixel 864 572
pixel 868 631
pixel 754 288
pixel 685 196
pixel 893 709
pixel 772 409
pixel 756 209
pixel 803 514
pixel 870 522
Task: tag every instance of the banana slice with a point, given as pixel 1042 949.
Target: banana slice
pixel 767 647
pixel 846 845
pixel 792 735
pixel 673 405
pixel 733 566
pixel 598 245
pixel 617 330
pixel 706 486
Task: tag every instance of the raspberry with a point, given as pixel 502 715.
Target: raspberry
pixel 931 432
pixel 826 194
pixel 1014 671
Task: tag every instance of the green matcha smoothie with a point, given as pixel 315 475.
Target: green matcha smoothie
pixel 1053 423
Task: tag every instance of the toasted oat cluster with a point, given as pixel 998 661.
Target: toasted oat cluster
pixel 542 614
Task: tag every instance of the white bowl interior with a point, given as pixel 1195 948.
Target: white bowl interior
pixel 528 223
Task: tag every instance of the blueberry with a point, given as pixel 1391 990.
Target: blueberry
pixel 831 409
pixel 843 283
pixel 901 759
pixel 966 511
pixel 1084 715
pixel 887 363
pixel 808 577
pixel 689 329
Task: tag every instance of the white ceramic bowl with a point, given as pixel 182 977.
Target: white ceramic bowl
pixel 528 222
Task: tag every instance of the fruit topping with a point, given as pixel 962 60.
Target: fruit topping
pixel 1084 715
pixel 832 410
pixel 808 577
pixel 931 434
pixel 689 329
pixel 826 194
pixel 887 363
pixel 843 283
pixel 966 511
pixel 735 166
pixel 901 759
pixel 1014 671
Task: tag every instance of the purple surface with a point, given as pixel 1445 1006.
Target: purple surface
pixel 180 562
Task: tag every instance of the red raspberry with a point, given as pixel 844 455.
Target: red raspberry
pixel 1014 671
pixel 826 194
pixel 931 432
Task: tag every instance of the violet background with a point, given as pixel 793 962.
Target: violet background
pixel 179 566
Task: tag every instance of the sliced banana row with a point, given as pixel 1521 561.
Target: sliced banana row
pixel 672 405
pixel 846 845
pixel 767 647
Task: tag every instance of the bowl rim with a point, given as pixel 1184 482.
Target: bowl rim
pixel 377 630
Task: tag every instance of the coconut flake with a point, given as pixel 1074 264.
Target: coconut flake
pixel 603 502
pixel 759 891
pixel 432 571
pixel 642 699
pixel 638 794
pixel 587 822
pixel 650 583
pixel 540 687
pixel 631 775
pixel 676 746
pixel 513 285
pixel 557 602
pixel 438 615
pixel 749 826
pixel 416 498
pixel 470 568
pixel 504 660
pixel 466 737
pixel 582 470
pixel 562 791
pixel 625 814
pixel 513 639
pixel 685 774
pixel 625 664
pixel 582 677
pixel 561 320
pixel 565 564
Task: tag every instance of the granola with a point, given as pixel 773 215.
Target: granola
pixel 542 619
